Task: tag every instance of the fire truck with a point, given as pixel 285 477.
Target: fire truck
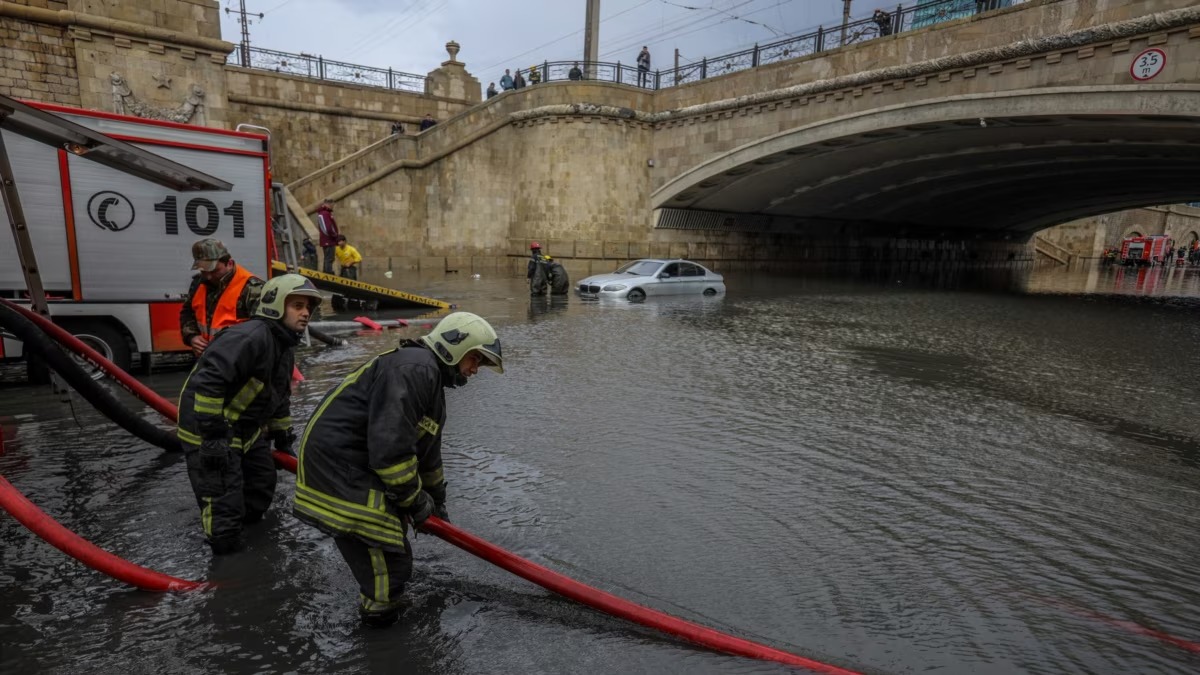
pixel 1145 251
pixel 114 250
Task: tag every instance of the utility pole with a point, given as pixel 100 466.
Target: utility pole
pixel 591 38
pixel 244 19
pixel 845 19
pixel 677 65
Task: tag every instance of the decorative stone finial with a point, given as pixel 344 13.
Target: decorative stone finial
pixel 452 48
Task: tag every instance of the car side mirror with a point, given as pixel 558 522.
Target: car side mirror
pixel 665 275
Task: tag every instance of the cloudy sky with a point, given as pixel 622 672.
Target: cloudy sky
pixel 409 35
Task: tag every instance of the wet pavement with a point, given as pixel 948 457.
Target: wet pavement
pixel 908 473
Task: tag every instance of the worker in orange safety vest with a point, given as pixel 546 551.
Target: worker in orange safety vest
pixel 222 294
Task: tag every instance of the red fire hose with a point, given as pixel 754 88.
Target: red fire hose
pixel 619 607
pixel 84 551
pixel 605 602
pixel 73 545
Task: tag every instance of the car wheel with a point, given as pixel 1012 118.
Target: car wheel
pixel 104 338
pixel 636 295
pixel 710 291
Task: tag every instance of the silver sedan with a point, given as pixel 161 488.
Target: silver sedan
pixel 637 280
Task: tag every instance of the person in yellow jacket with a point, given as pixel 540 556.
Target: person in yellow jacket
pixel 348 257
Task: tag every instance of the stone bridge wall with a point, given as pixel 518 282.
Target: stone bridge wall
pixel 968 57
pixel 315 123
pixel 570 164
pixel 38 61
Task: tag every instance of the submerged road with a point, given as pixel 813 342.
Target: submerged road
pixel 893 475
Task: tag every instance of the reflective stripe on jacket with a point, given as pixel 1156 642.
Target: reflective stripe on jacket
pixel 225 313
pixel 241 384
pixel 373 444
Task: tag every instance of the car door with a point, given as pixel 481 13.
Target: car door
pixel 691 278
pixel 668 280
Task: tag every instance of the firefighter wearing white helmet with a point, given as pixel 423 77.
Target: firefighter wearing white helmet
pixel 236 403
pixel 370 460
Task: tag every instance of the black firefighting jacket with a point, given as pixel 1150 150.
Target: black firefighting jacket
pixel 373 444
pixel 241 385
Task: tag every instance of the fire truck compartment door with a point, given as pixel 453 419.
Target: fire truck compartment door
pixel 38 184
pixel 135 237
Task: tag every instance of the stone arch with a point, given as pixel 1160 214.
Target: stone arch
pixel 938 164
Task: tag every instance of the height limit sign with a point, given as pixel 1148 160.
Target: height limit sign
pixel 1148 64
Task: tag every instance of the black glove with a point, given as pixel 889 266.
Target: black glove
pixel 422 507
pixel 214 453
pixel 439 510
pixel 284 441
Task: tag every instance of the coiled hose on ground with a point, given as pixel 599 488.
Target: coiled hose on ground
pixel 39 343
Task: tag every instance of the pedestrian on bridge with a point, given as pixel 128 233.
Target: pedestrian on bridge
pixel 328 228
pixel 643 66
pixel 884 21
pixel 575 73
pixel 518 81
pixel 427 122
pixel 370 462
pixel 491 90
pixel 506 82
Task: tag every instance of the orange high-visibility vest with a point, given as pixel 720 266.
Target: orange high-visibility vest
pixel 225 313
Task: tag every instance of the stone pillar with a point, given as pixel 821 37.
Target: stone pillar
pixel 157 59
pixel 452 80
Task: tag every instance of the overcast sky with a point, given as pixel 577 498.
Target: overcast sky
pixel 410 35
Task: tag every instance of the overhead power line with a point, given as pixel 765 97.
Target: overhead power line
pixel 730 15
pixel 556 40
pixel 667 30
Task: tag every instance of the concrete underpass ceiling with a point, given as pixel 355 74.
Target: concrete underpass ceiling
pixel 1015 175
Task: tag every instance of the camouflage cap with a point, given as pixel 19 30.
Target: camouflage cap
pixel 206 253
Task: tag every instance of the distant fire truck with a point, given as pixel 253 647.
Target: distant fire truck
pixel 1145 251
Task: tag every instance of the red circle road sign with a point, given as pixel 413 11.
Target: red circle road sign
pixel 1148 64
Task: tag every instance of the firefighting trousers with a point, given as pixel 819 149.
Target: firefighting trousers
pixel 238 493
pixel 381 575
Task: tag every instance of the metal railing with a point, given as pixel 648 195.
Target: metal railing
pixel 320 68
pixel 899 20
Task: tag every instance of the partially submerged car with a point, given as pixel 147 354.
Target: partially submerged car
pixel 637 280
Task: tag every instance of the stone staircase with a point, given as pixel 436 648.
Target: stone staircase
pixel 341 177
pixel 1050 251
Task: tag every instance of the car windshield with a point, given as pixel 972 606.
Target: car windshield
pixel 641 268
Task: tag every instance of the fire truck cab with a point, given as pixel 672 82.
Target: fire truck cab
pixel 114 250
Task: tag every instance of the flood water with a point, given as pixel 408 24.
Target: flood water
pixel 895 475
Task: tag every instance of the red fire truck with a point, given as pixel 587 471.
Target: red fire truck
pixel 1145 251
pixel 114 250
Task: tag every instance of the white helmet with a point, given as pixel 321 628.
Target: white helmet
pixel 463 332
pixel 276 291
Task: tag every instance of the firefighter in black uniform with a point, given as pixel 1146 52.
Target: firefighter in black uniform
pixel 543 271
pixel 371 457
pixel 235 403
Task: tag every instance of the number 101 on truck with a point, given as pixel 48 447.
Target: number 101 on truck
pixel 114 250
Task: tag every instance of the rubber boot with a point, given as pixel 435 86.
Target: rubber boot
pixel 226 545
pixel 379 619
